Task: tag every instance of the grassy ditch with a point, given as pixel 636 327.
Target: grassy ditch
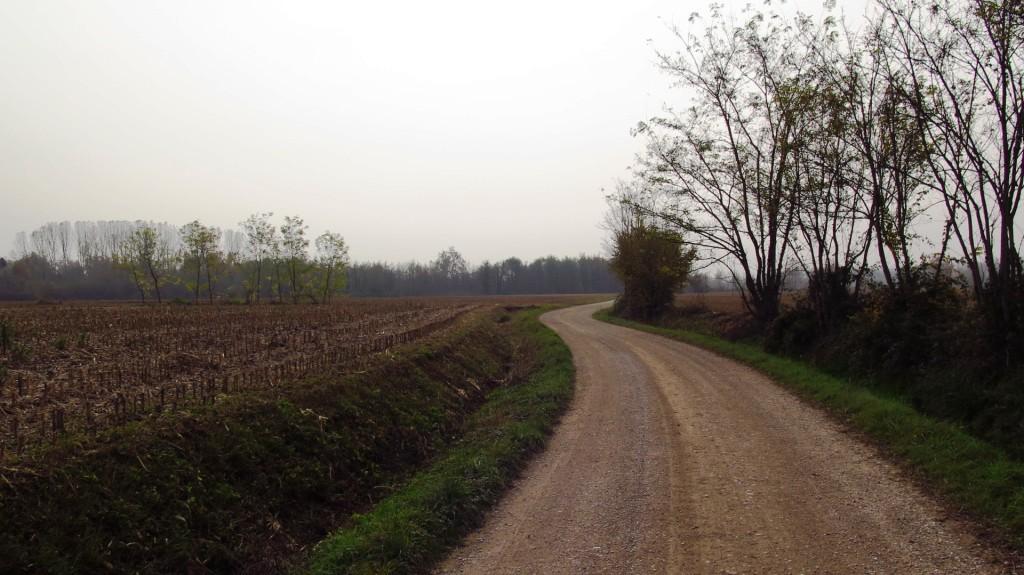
pixel 249 483
pixel 973 474
pixel 409 531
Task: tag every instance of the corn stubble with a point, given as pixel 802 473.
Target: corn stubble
pixel 84 368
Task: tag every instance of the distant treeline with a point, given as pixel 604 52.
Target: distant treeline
pixel 260 262
pixel 583 274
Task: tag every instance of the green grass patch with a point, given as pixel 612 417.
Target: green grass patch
pixel 971 473
pixel 413 529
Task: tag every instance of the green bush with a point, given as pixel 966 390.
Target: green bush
pixel 794 332
pixel 652 264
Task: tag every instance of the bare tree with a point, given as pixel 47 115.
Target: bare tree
pixel 276 261
pixel 151 253
pixel 112 236
pixel 294 246
pixel 332 256
pixel 200 244
pixel 214 263
pixel 859 171
pixel 45 242
pixel 233 243
pixel 21 246
pixel 85 241
pixel 126 258
pixel 726 164
pixel 260 236
pixel 891 153
pixel 833 236
pixel 963 61
pixel 64 242
pixel 451 268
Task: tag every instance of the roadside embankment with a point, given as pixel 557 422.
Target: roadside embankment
pixel 248 484
pixel 413 528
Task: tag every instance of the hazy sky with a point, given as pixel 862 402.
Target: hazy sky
pixel 405 126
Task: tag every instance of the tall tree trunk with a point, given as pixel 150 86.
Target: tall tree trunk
pixel 327 284
pixel 209 281
pixel 199 278
pixel 156 284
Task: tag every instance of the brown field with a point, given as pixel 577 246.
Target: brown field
pixel 84 367
pixel 724 302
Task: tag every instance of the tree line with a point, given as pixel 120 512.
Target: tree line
pixel 881 160
pixel 154 261
pixel 449 274
pixel 262 261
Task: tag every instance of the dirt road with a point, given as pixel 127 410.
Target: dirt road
pixel 674 460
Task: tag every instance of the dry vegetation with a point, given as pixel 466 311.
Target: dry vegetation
pixel 721 313
pixel 313 426
pixel 724 302
pixel 82 368
pixel 85 367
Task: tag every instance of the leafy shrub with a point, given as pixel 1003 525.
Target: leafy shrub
pixel 652 263
pixel 794 332
pixel 900 334
pixel 20 353
pixel 930 345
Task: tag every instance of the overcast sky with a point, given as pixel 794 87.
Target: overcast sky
pixel 405 126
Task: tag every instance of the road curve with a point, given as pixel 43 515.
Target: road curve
pixel 672 459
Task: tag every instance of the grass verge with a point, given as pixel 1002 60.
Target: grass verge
pixel 971 473
pixel 412 529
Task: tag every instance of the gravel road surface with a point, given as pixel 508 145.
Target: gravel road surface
pixel 672 459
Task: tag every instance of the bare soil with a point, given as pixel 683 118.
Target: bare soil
pixel 675 460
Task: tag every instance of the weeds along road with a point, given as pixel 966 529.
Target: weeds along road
pixel 674 460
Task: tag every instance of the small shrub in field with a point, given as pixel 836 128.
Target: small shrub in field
pixel 20 353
